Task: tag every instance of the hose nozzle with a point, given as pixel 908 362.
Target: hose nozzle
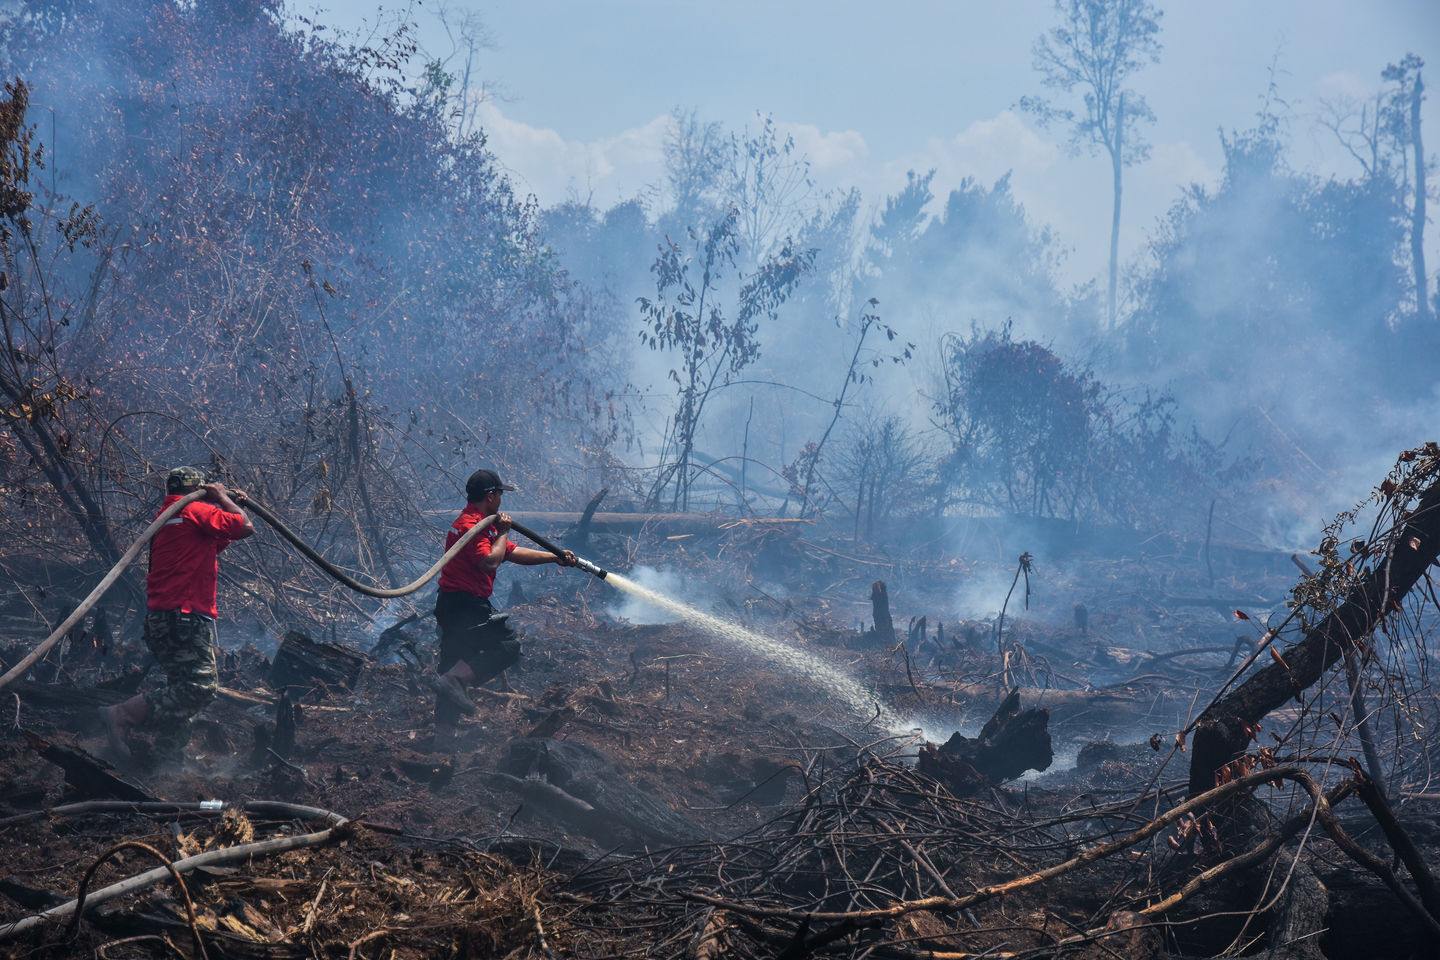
pixel 592 568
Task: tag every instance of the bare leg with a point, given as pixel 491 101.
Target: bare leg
pixel 120 719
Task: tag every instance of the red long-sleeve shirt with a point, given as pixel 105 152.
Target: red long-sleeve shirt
pixel 463 574
pixel 184 556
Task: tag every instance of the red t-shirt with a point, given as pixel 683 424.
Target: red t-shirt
pixel 463 573
pixel 184 556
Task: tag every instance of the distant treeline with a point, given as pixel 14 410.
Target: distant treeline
pixel 236 238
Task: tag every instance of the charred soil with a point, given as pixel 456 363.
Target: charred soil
pixel 660 791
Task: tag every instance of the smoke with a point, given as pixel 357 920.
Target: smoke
pixel 983 597
pixel 635 610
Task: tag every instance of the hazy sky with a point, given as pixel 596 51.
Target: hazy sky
pixel 579 90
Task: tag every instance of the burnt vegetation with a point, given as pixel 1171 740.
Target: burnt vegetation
pixel 234 237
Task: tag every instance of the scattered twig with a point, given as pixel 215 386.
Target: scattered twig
pixel 244 851
pixel 169 867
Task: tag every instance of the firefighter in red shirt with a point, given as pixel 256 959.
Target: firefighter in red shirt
pixel 180 619
pixel 476 644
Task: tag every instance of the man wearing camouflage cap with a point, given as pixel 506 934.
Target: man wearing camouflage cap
pixel 180 619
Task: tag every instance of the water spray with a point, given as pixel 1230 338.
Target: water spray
pixel 581 563
pixel 854 695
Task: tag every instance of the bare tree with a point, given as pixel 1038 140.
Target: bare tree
pixel 1403 123
pixel 36 387
pixel 855 375
pixel 1097 47
pixel 769 183
pixel 1384 137
pixel 688 317
pixel 695 154
pixel 449 82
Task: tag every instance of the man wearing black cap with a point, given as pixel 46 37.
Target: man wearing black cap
pixel 180 619
pixel 475 644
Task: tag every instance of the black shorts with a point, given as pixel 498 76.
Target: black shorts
pixel 470 631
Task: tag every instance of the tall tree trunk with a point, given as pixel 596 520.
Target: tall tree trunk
pixel 1117 163
pixel 1417 210
pixel 1220 735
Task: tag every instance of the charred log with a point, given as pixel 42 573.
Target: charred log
pixel 1221 734
pixel 87 777
pixel 585 774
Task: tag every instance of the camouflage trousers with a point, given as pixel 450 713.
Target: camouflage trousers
pixel 184 644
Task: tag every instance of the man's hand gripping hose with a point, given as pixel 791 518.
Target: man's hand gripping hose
pixel 588 566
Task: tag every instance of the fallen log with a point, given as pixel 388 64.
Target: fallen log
pixel 578 771
pixel 1221 734
pixel 657 524
pixel 87 776
pixel 76 702
pixel 1117 695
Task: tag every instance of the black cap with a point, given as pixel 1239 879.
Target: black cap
pixel 482 482
pixel 183 478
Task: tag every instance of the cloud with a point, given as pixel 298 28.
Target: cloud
pixel 829 153
pixel 615 168
pixel 985 150
pixel 1002 143
pixel 606 170
pixel 1178 164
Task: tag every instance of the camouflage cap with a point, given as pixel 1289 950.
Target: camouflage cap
pixel 183 478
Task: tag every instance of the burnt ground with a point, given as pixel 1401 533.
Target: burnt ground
pixel 658 791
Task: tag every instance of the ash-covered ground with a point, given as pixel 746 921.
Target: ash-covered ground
pixel 640 786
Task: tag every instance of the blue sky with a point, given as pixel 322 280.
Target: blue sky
pixel 577 93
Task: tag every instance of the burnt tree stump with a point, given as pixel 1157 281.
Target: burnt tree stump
pixel 1011 742
pixel 305 667
pixel 880 610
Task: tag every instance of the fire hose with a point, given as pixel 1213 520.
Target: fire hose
pixel 580 562
pixel 293 538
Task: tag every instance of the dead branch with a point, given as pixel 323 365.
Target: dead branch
pixel 1220 732
pixel 244 851
pixel 1100 851
pixel 1248 859
pixel 1374 798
